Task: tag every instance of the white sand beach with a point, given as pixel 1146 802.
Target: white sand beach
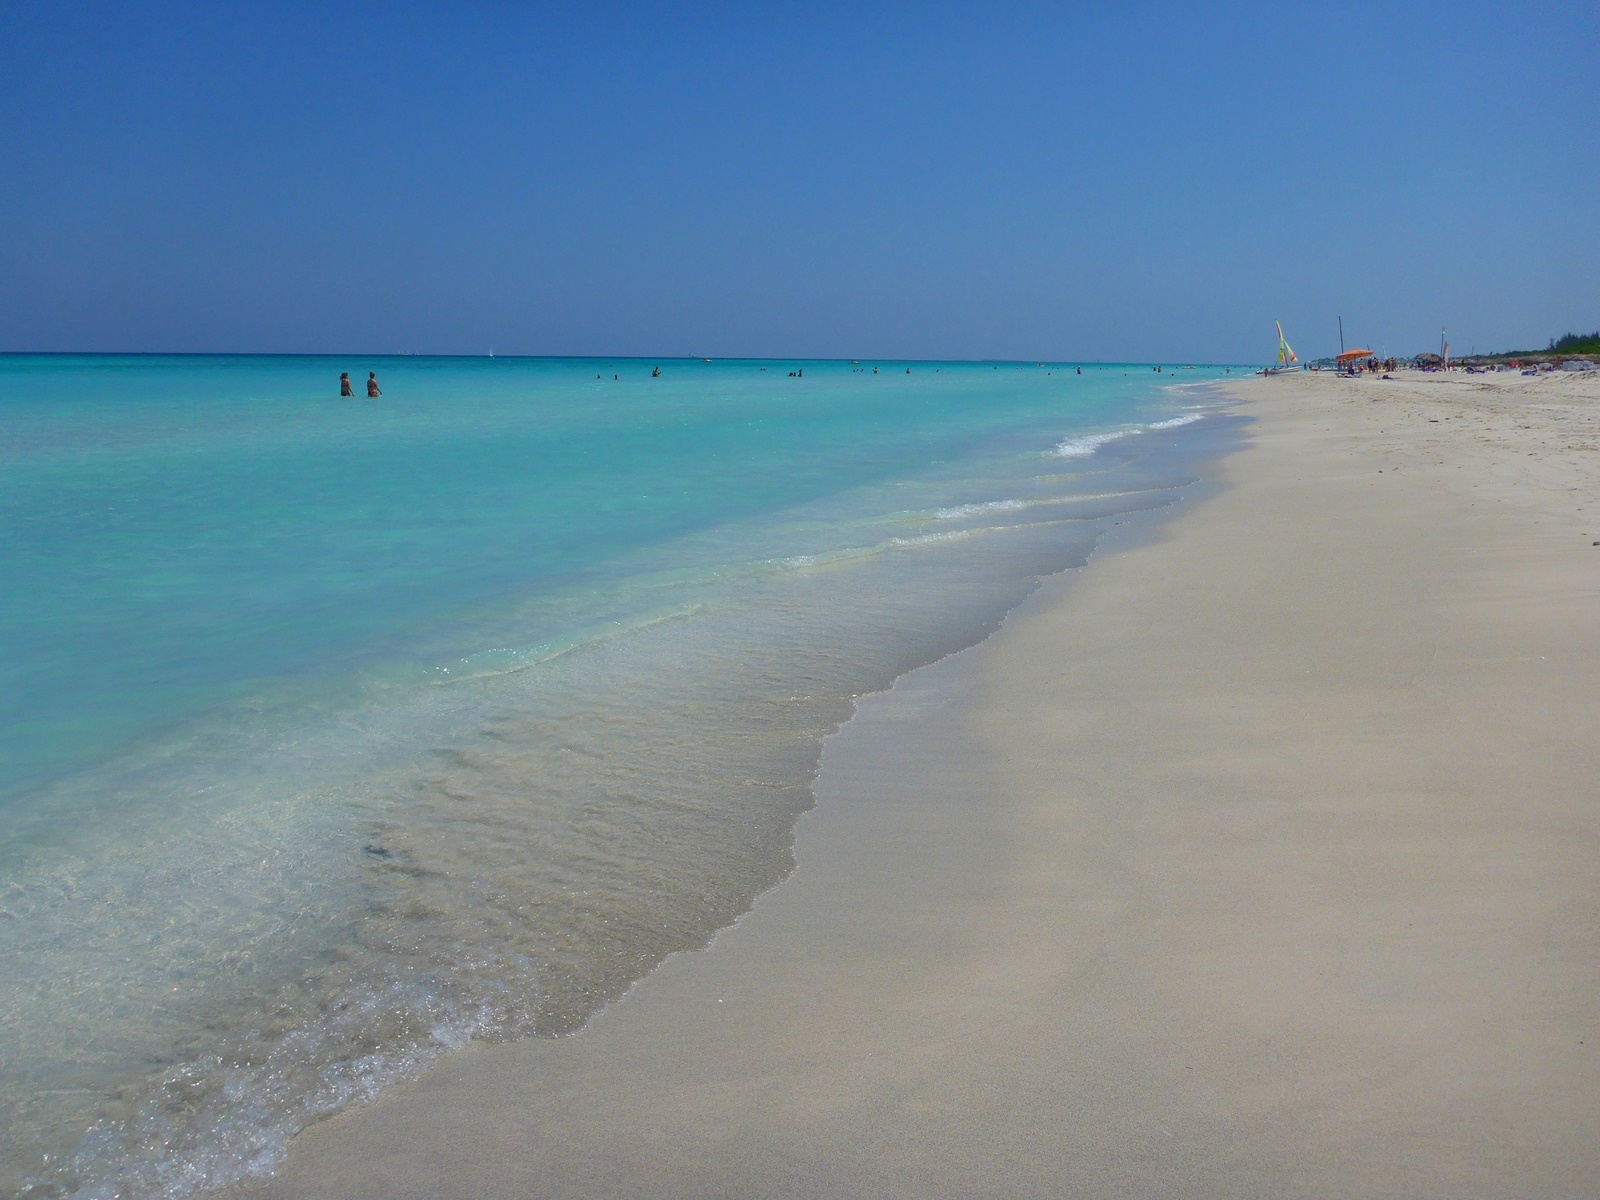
pixel 1259 858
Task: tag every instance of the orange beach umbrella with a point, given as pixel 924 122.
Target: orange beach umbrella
pixel 1353 354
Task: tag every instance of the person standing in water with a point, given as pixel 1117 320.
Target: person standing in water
pixel 344 384
pixel 373 390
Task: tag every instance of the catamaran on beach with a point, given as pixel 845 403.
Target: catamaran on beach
pixel 1287 358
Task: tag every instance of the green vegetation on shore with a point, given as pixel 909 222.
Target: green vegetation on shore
pixel 1567 343
pixel 1576 343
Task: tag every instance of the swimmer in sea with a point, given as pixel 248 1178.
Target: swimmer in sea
pixel 373 390
pixel 344 384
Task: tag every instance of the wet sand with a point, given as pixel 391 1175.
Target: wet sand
pixel 1260 858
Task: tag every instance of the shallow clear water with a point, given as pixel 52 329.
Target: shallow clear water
pixel 337 733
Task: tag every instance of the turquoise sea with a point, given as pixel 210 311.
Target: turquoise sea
pixel 338 733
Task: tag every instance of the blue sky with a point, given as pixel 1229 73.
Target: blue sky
pixel 1136 181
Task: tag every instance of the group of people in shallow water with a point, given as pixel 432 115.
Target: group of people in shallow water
pixel 373 390
pixel 655 374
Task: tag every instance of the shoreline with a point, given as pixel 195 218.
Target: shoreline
pixel 291 899
pixel 1221 868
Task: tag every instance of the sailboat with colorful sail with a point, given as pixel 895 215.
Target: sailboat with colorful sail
pixel 1287 358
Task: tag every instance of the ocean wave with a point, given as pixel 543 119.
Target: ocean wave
pixel 959 511
pixel 822 558
pixel 925 539
pixel 486 664
pixel 1083 447
pixel 1087 444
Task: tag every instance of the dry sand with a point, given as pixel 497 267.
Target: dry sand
pixel 1258 859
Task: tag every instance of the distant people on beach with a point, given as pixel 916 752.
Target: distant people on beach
pixel 373 390
pixel 344 384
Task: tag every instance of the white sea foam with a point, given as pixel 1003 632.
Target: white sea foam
pixel 823 558
pixel 1083 447
pixel 954 535
pixel 972 510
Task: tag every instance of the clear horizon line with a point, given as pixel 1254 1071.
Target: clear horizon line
pixel 687 358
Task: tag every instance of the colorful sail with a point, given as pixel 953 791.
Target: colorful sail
pixel 1286 354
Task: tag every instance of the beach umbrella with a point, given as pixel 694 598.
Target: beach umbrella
pixel 1352 355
